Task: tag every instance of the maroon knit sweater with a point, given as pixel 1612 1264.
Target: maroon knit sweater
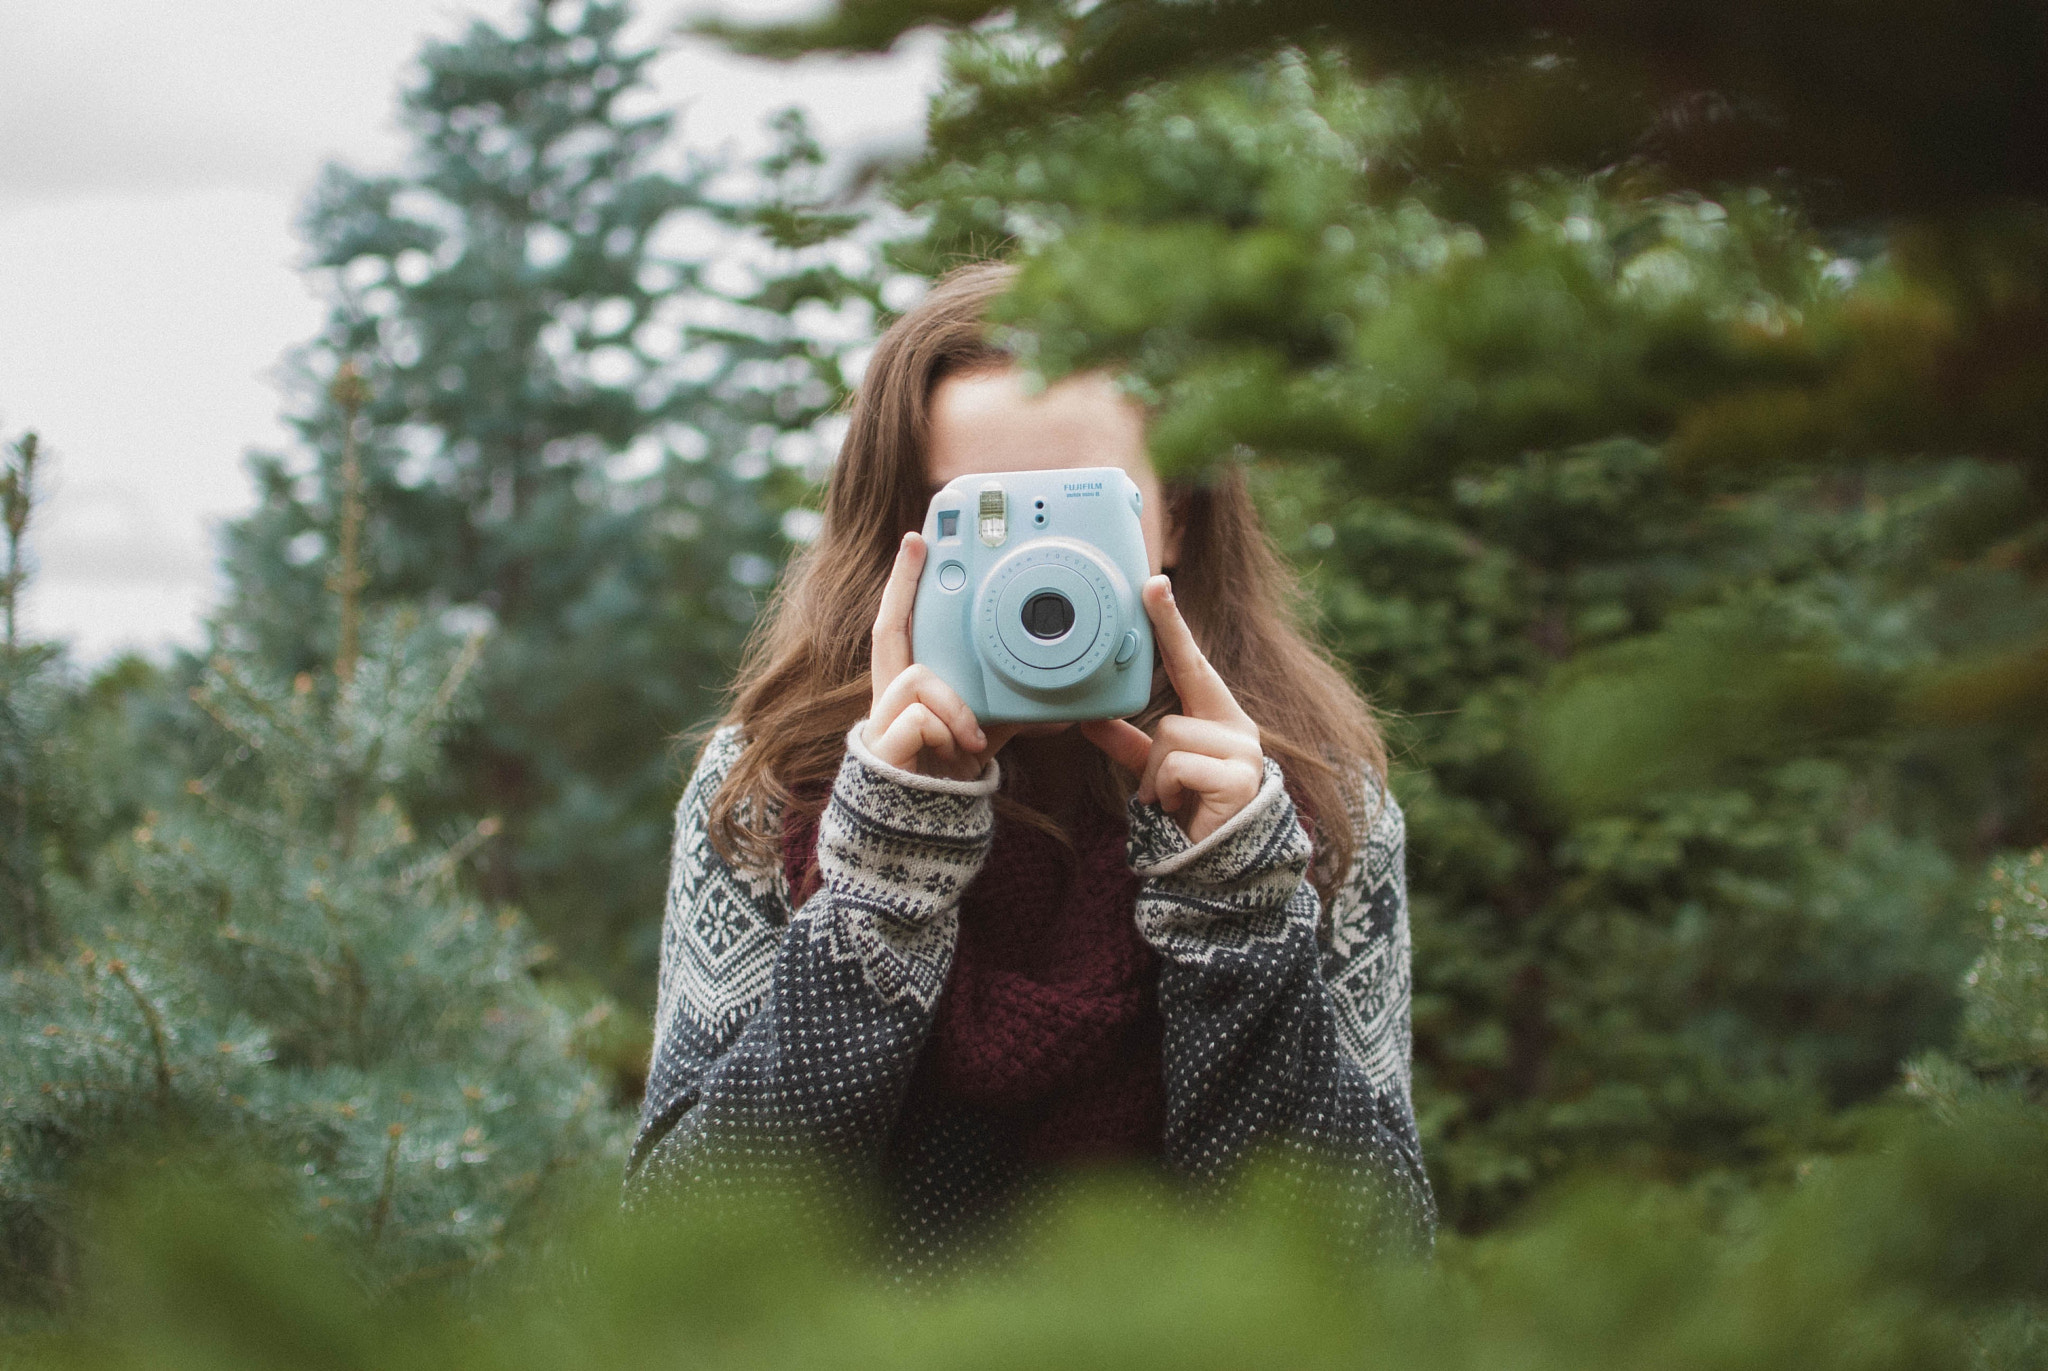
pixel 1049 1024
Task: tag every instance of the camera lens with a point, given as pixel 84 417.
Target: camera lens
pixel 1047 614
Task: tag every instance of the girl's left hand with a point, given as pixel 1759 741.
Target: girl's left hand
pixel 1204 766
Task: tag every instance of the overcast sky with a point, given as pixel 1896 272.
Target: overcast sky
pixel 152 159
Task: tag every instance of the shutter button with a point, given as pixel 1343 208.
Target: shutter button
pixel 952 576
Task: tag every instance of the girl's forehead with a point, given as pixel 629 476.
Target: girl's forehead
pixel 992 421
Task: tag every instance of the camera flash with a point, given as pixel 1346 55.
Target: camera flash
pixel 994 523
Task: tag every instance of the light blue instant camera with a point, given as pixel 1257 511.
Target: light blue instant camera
pixel 1028 606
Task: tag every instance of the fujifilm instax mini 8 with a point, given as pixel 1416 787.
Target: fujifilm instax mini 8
pixel 1028 606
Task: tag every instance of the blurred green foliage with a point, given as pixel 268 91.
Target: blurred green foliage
pixel 1917 108
pixel 1921 1252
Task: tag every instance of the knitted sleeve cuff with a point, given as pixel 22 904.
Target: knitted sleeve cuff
pixel 1242 885
pixel 984 784
pixel 900 841
pixel 1264 838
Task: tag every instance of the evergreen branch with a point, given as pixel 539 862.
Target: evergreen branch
pixel 358 998
pixel 17 503
pixel 244 817
pixel 234 933
pixel 349 392
pixel 351 978
pixel 458 672
pixel 382 1211
pixel 224 668
pixel 23 869
pixel 84 1090
pixel 444 865
pixel 154 1022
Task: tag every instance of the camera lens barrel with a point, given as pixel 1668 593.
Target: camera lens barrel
pixel 1041 617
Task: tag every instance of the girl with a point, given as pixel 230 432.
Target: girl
pixel 942 959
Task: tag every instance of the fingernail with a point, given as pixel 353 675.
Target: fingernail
pixel 980 739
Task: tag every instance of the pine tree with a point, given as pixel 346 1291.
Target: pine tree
pixel 280 974
pixel 567 430
pixel 25 704
pixel 2000 1059
pixel 2001 1045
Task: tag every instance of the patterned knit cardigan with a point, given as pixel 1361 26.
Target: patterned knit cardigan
pixel 786 1039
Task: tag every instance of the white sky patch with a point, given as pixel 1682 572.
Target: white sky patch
pixel 138 334
pixel 155 160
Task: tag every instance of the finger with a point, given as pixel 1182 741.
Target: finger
pixel 1176 733
pixel 1181 733
pixel 889 654
pixel 932 732
pixel 915 729
pixel 1184 774
pixel 1124 742
pixel 922 685
pixel 1202 692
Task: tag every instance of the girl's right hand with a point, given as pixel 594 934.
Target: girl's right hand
pixel 918 722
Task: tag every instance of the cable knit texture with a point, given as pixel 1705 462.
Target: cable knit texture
pixel 936 1010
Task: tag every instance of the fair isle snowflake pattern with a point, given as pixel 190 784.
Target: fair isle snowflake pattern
pixel 785 1041
pixel 720 929
pixel 1368 962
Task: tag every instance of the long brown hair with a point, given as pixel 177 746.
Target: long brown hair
pixel 804 679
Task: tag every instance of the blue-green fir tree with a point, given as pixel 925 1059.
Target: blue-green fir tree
pixel 281 976
pixel 592 372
